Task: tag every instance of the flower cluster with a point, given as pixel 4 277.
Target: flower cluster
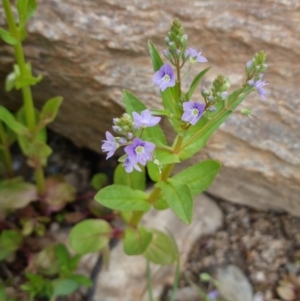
pixel 136 150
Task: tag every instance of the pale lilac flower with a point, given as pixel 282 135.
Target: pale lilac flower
pixel 109 145
pixel 249 64
pixel 213 295
pixel 195 56
pixel 192 111
pixel 164 77
pixel 224 94
pixel 129 166
pixel 212 109
pixel 145 119
pixel 139 151
pixel 122 140
pixel 259 86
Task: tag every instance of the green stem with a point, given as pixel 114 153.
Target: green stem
pixel 137 215
pixel 40 180
pixel 224 110
pixel 178 78
pixel 6 151
pixel 24 72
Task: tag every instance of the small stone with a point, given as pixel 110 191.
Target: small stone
pixel 234 285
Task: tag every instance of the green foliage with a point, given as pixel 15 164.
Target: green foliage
pixel 12 123
pixel 90 235
pixel 136 240
pixel 99 180
pixel 119 197
pixel 26 9
pixel 199 176
pixel 7 37
pixel 195 83
pixel 179 198
pixel 10 241
pixel 135 180
pixel 157 62
pixel 197 135
pixel 15 194
pixel 49 111
pixel 161 250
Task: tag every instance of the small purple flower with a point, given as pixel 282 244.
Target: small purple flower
pixel 259 86
pixel 164 77
pixel 249 64
pixel 145 119
pixel 129 166
pixel 192 111
pixel 139 151
pixel 195 56
pixel 213 295
pixel 109 145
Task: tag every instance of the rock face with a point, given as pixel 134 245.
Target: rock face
pixel 88 51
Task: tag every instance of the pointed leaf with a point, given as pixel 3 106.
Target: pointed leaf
pixel 49 110
pixel 153 171
pixel 179 198
pixel 64 287
pixel 199 176
pixel 134 180
pixel 10 81
pixel 195 83
pixel 161 250
pixel 26 9
pixel 12 123
pixel 157 62
pixel 7 37
pixel 89 236
pixel 136 240
pixel 119 197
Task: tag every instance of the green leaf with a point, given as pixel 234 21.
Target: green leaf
pixel 99 180
pixel 136 240
pixel 26 9
pixel 64 287
pixel 161 250
pixel 81 279
pixel 10 81
pixel 49 110
pixel 133 104
pixel 134 180
pixel 197 135
pixel 25 81
pixel 90 235
pixel 153 171
pixel 165 157
pixel 179 198
pixel 38 149
pixel 199 176
pixel 21 117
pixel 16 194
pixel 62 253
pixel 12 123
pixel 160 204
pixel 119 197
pixel 195 83
pixel 7 37
pixel 157 62
pixel 10 240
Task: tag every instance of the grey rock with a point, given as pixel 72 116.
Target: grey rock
pixel 234 285
pixel 88 51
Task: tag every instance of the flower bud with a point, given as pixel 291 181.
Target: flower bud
pixel 129 135
pixel 122 140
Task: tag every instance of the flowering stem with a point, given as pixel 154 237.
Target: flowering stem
pixel 7 154
pixel 137 215
pixel 178 77
pixel 224 110
pixel 26 91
